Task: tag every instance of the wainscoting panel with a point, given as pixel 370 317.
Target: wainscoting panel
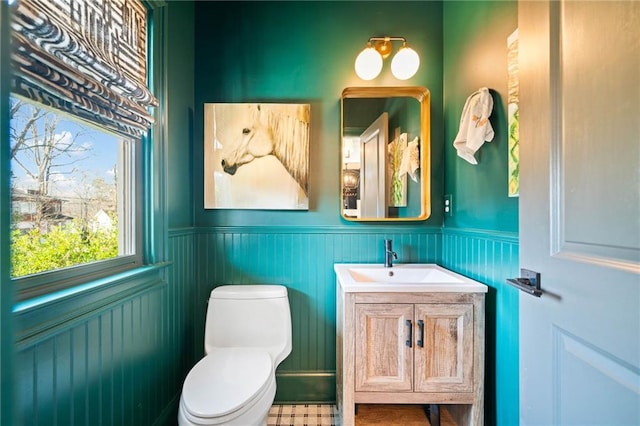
pixel 121 360
pixel 302 259
pixel 105 369
pixel 115 356
pixel 182 350
pixel 491 258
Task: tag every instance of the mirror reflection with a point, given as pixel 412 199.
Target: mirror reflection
pixel 385 150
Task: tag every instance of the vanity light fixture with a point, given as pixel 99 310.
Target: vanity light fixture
pixel 404 64
pixel 351 178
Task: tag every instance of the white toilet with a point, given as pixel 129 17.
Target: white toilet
pixel 247 334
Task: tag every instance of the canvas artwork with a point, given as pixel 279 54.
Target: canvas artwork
pixel 256 156
pixel 514 115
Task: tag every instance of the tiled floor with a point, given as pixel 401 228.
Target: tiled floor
pixel 368 415
pixel 305 415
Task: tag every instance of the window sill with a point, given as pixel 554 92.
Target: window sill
pixel 43 314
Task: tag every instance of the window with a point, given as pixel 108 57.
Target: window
pixel 68 191
pixel 79 118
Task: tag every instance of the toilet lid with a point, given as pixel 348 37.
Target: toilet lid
pixel 226 380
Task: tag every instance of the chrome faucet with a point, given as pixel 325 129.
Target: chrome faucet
pixel 389 254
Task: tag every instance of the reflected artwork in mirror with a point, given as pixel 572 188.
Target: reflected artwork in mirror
pixel 385 154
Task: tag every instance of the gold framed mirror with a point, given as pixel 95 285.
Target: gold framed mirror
pixel 385 154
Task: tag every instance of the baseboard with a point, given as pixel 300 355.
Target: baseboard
pixel 306 387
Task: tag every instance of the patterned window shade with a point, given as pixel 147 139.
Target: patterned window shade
pixel 87 57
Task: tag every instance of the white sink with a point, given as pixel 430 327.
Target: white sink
pixel 414 277
pixel 402 274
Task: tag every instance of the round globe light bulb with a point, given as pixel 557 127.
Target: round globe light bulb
pixel 368 63
pixel 405 63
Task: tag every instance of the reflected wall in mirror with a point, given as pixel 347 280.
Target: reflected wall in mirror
pixel 385 153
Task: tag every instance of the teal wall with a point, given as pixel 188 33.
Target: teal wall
pixel 480 238
pixel 6 290
pixel 304 52
pixel 475 41
pixel 119 353
pixel 116 352
pixel 179 47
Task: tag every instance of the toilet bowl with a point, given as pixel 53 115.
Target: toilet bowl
pixel 229 386
pixel 247 334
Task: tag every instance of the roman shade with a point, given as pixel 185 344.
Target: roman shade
pixel 85 57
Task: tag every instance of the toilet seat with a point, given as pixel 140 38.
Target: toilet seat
pixel 226 383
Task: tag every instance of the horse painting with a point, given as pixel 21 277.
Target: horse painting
pixel 259 155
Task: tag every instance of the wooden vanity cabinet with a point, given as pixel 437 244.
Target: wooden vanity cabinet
pixel 414 348
pixel 407 347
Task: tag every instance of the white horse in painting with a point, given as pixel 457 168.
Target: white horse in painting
pixel 251 131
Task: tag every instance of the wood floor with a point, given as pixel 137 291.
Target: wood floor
pixel 397 415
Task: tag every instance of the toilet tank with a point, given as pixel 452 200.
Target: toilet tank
pixel 253 316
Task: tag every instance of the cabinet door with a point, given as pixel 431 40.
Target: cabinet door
pixel 384 362
pixel 445 362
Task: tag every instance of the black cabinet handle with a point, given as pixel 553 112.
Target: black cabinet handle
pixel 420 341
pixel 409 332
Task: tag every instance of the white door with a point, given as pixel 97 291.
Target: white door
pixel 373 168
pixel 580 212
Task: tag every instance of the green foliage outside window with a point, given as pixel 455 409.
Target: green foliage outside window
pixel 62 246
